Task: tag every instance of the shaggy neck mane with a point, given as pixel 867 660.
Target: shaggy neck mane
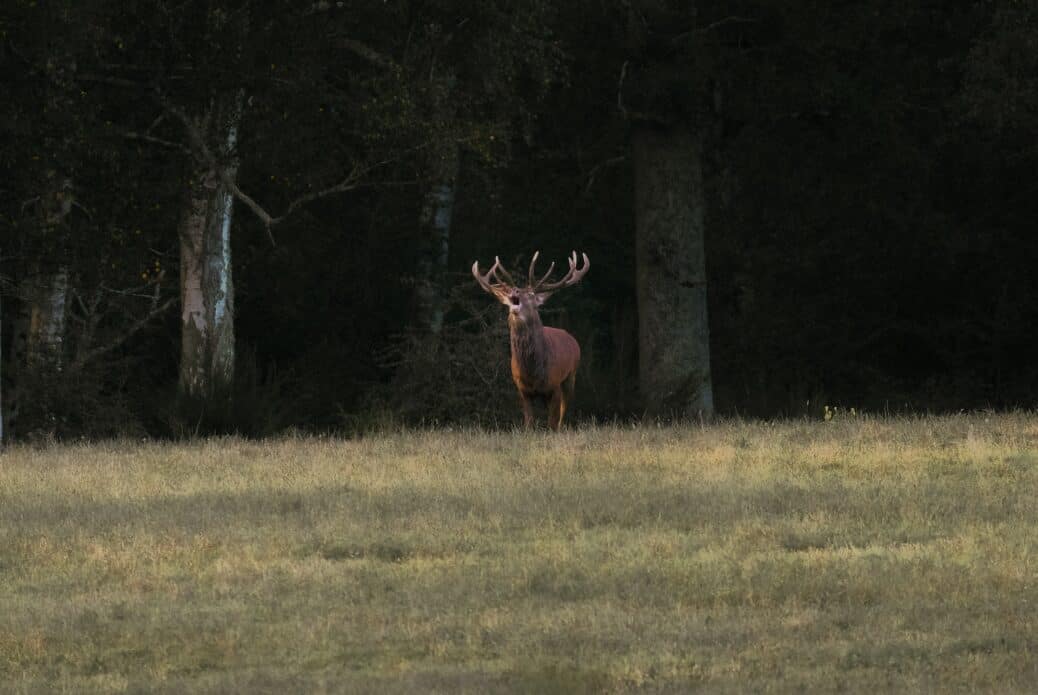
pixel 528 347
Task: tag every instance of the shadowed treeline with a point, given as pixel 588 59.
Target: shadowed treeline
pixel 248 219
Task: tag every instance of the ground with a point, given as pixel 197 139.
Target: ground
pixel 858 554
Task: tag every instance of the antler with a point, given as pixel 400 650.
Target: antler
pixel 499 285
pixel 533 262
pixel 571 278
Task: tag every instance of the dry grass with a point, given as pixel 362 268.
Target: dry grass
pixel 855 555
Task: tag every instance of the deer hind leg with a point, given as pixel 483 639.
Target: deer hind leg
pixel 560 400
pixel 524 401
pixel 568 386
pixel 556 409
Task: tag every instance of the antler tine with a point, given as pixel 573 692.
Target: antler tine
pixel 545 276
pixel 533 262
pixel 491 282
pixel 534 284
pixel 501 269
pixel 572 277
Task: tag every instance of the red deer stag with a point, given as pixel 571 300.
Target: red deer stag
pixel 544 359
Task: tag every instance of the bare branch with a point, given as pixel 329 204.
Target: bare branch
pixel 154 124
pixel 134 292
pixel 82 307
pixel 193 133
pixel 93 318
pixel 134 328
pixel 131 135
pixel 347 184
pixel 714 25
pixel 113 81
pixel 323 6
pixel 364 51
pixel 76 204
pixel 629 115
pixel 598 167
pixel 206 154
pixel 620 90
pixel 201 149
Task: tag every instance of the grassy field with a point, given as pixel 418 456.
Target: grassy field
pixel 853 555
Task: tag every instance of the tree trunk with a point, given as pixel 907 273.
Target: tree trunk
pixel 206 284
pixel 47 295
pixel 673 331
pixel 36 352
pixel 434 233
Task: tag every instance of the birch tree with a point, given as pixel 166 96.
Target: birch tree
pixel 203 118
pixel 45 290
pixel 39 332
pixel 206 276
pixel 434 240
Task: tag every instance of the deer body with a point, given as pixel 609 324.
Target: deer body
pixel 544 366
pixel 544 359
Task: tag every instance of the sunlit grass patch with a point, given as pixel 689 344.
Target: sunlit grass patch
pixel 853 554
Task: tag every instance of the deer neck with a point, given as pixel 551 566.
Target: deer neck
pixel 528 346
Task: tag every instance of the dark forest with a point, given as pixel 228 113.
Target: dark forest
pixel 260 217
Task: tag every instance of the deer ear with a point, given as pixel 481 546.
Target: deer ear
pixel 542 297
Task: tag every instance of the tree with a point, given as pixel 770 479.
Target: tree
pixel 1001 86
pixel 198 69
pixel 206 277
pixel 674 330
pixel 478 72
pixel 663 94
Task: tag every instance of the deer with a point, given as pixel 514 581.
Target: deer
pixel 544 359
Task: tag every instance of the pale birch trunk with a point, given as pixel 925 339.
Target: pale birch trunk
pixel 47 294
pixel 206 283
pixel 434 234
pixel 39 327
pixel 46 289
pixel 674 335
pixel 38 345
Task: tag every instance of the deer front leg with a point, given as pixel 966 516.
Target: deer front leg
pixel 556 409
pixel 524 401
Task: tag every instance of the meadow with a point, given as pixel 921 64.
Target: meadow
pixel 855 555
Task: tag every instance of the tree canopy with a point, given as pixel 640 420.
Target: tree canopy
pixel 868 200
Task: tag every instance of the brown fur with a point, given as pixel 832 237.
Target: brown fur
pixel 544 365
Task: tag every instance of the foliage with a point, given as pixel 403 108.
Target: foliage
pixel 459 376
pixel 1002 70
pixel 261 403
pixel 869 168
pixel 84 403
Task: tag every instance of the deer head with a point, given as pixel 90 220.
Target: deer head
pixel 523 302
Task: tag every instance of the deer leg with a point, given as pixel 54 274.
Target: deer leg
pixel 568 387
pixel 562 398
pixel 524 401
pixel 556 409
